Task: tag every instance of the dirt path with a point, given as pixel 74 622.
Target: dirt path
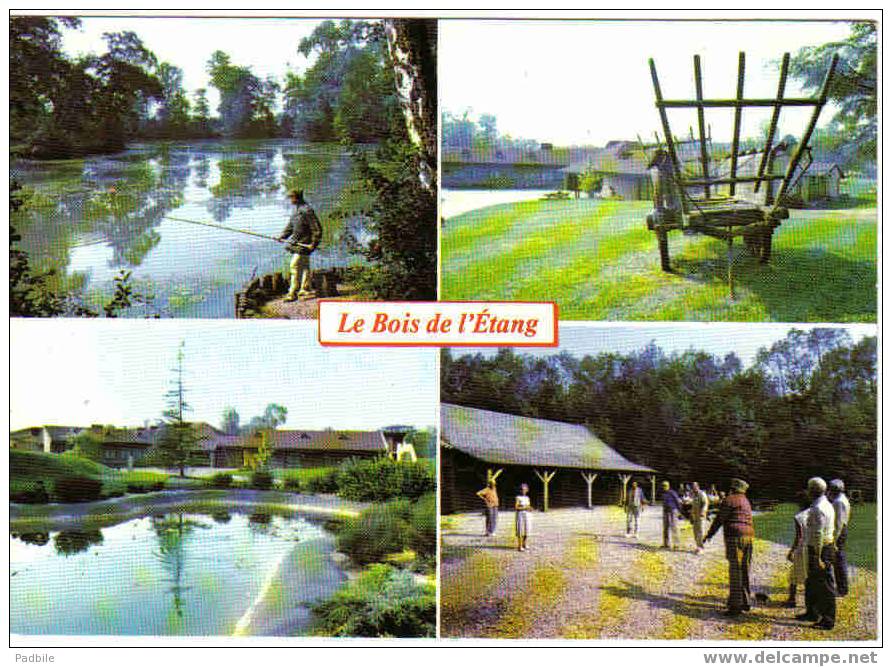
pixel 582 578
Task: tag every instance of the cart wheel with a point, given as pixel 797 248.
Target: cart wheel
pixel 663 242
pixel 766 246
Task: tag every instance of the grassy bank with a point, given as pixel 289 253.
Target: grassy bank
pixel 597 260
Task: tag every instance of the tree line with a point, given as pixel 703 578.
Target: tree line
pixel 806 405
pixel 63 106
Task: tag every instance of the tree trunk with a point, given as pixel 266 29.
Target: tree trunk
pixel 412 45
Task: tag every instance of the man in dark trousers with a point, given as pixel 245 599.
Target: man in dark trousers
pixel 842 511
pixel 735 518
pixel 304 233
pixel 820 587
pixel 671 512
pixel 490 497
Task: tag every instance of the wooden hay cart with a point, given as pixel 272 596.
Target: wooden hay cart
pixel 710 203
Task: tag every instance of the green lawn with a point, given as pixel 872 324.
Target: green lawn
pixel 861 546
pixel 598 261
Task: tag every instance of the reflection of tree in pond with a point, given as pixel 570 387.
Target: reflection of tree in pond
pixel 129 210
pixel 70 542
pixel 260 521
pixel 171 531
pixel 307 170
pixel 221 516
pixel 202 170
pixel 243 178
pixel 36 537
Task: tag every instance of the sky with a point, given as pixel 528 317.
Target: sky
pixel 268 45
pixel 745 340
pixel 82 372
pixel 587 82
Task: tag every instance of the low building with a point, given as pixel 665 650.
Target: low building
pixel 127 447
pixel 567 461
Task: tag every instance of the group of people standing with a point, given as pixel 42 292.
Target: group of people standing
pixel 522 509
pixel 817 555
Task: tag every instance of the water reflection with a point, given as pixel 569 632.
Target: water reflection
pixel 70 542
pixel 172 532
pixel 88 219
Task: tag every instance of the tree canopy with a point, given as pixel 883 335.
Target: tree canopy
pixel 807 405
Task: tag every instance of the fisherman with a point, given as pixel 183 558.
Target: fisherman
pixel 820 589
pixel 735 517
pixel 305 233
pixel 699 510
pixel 671 510
pixel 842 510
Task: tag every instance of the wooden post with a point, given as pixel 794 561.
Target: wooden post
pixel 772 125
pixel 735 140
pixel 701 123
pixel 664 121
pixel 589 478
pixel 545 478
pixel 625 480
pixel 653 489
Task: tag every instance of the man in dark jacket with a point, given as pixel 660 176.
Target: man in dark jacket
pixel 304 233
pixel 671 512
pixel 735 517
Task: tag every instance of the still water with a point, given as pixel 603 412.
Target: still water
pixel 88 219
pixel 173 574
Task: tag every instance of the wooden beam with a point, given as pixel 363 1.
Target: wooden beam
pixel 664 120
pixel 545 477
pixel 653 489
pixel 730 104
pixel 772 124
pixel 725 181
pixel 624 478
pixel 735 139
pixel 589 480
pixel 803 143
pixel 701 123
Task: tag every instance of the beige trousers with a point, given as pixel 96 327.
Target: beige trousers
pixel 300 275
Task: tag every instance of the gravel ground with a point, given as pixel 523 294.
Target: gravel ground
pixel 583 578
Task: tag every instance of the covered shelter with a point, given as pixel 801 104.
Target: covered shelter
pixel 565 465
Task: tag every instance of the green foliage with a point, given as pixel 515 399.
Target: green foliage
pixel 139 481
pixel 700 416
pixel 391 528
pixel 382 602
pixel 402 259
pixel 590 182
pixel 261 479
pixel 179 442
pixel 28 492
pixel 77 489
pixel 321 480
pixel 383 478
pixel 221 480
pixel 854 86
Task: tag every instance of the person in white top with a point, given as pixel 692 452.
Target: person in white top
pixel 820 589
pixel 843 510
pixel 798 553
pixel 522 509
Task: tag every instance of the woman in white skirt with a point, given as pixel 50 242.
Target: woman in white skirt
pixel 522 509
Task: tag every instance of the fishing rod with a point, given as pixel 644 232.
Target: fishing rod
pixel 224 227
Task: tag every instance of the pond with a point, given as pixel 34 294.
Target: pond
pixel 88 219
pixel 173 574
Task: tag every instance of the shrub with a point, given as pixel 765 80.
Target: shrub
pixel 261 479
pixel 327 482
pixel 30 493
pixel 383 478
pixel 77 489
pixel 292 483
pixel 221 480
pixel 143 482
pixel 382 602
pixel 376 532
pixel 423 519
